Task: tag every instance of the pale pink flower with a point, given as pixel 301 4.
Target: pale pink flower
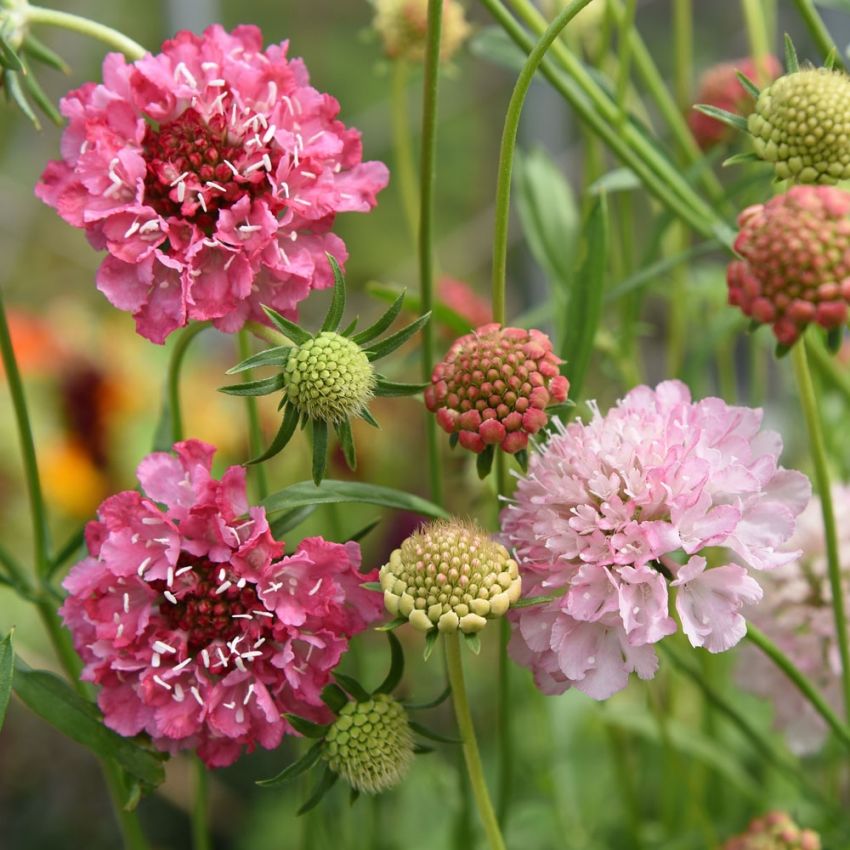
pixel 608 514
pixel 796 614
pixel 196 628
pixel 211 173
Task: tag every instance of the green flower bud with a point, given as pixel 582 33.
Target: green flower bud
pixel 329 377
pixel 451 575
pixel 801 124
pixel 370 744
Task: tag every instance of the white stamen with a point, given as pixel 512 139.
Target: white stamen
pixel 293 236
pixel 144 565
pixel 232 167
pixel 282 254
pixel 222 587
pixel 183 570
pixel 286 99
pixel 162 647
pixel 162 683
pixel 162 540
pixel 249 655
pixel 242 617
pixel 126 603
pixel 260 642
pixel 240 665
pixel 222 573
pixel 240 715
pixel 241 583
pixel 315 136
pixel 262 613
pixel 205 657
pixel 221 656
pixel 135 538
pixel 169 576
pixel 249 228
pixel 271 97
pixel 184 72
pixel 155 660
pixel 285 186
pixel 178 692
pixel 120 630
pixel 170 597
pixel 299 141
pixel 148 227
pixel 346 196
pixel 216 186
pixel 202 201
pixel 254 167
pixel 315 589
pixel 267 162
pixel 197 695
pixel 230 705
pixel 269 134
pixel 183 664
pixel 302 202
pixel 636 609
pixel 249 694
pixel 309 174
pixel 132 229
pixel 181 193
pixel 209 66
pixel 229 262
pixel 179 179
pixel 216 83
pixel 591 659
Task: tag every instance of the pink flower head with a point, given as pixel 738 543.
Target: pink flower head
pixel 774 831
pixel 197 630
pixel 493 387
pixel 211 173
pixel 719 86
pixel 605 506
pixel 795 266
pixel 796 614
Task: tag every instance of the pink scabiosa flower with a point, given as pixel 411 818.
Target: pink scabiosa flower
pixel 211 173
pixel 795 261
pixel 774 831
pixel 796 614
pixel 605 507
pixel 194 626
pixel 493 387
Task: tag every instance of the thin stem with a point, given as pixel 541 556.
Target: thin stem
pixel 824 363
pixel 200 815
pixel 806 688
pixel 427 181
pixel 470 744
pixel 508 149
pixel 405 169
pixel 128 823
pixel 818 31
pixel 76 23
pixel 759 37
pixel 627 25
pixel 683 47
pixel 814 426
pixel 255 432
pixel 506 749
pixel 172 378
pixel 41 540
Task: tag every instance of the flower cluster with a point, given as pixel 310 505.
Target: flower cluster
pixel 403 28
pixel 197 630
pixel 796 614
pixel 795 266
pixel 774 831
pixel 211 173
pixel 493 386
pixel 602 511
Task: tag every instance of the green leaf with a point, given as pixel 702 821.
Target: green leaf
pixel 310 758
pixel 262 387
pixel 440 312
pixel 792 64
pixel 371 585
pixel 521 456
pixel 8 58
pixel 12 83
pixel 353 796
pixel 306 727
pixel 366 416
pixel 7 673
pixel 422 750
pixel 353 687
pixel 396 666
pixel 37 93
pixel 444 695
pixel 286 522
pixel 334 492
pixel 283 436
pixel 359 535
pixel 781 350
pixel 494 45
pixel 276 356
pixel 548 213
pixel 391 343
pixel 834 338
pixel 430 643
pixel 349 328
pixel 334 697
pixel 586 299
pixel 320 450
pixel 530 601
pixel 831 59
pixel 70 548
pixel 741 158
pixel 473 642
pixel 375 330
pixel 616 180
pixel 748 85
pixel 484 461
pixel 425 732
pixel 738 122
pixel 346 441
pixel 392 624
pixel 289 329
pixel 327 782
pixel 52 699
pixel 337 308
pixel 39 51
pixel 383 387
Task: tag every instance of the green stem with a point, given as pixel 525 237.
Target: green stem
pixel 627 26
pixel 818 31
pixel 759 38
pixel 172 378
pixel 470 744
pixel 76 23
pixel 814 426
pixel 508 149
pixel 200 815
pixel 405 169
pixel 827 368
pixel 806 688
pixel 128 823
pixel 427 181
pixel 255 432
pixel 683 47
pixel 506 749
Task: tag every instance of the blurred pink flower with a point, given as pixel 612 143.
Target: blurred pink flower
pixel 211 173
pixel 197 630
pixel 604 506
pixel 796 614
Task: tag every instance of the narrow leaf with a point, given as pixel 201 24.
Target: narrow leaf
pixel 11 80
pixel 353 687
pixel 349 328
pixel 70 548
pixel 335 698
pixel 430 643
pixel 741 158
pixel 389 388
pixel 371 585
pixel 441 313
pixel 473 642
pixel 8 58
pixel 396 670
pixel 291 519
pixel 393 624
pixel 306 727
pixel 289 329
pixel 425 732
pixel 432 704
pixel 792 64
pixel 484 461
pixel 834 338
pixel 310 758
pixel 831 59
pixel 391 343
pixel 748 85
pixel 531 601
pixel 781 350
pixel 283 436
pixel 376 329
pixel 422 750
pixel 359 535
pixel 265 386
pixel 366 416
pixel 346 441
pixel 44 103
pixel 276 356
pixel 39 51
pixel 729 118
pixel 337 308
pixel 7 673
pixel 320 450
pixel 325 784
pixel 334 492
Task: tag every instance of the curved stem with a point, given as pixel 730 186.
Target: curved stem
pixel 76 23
pixel 814 426
pixel 818 31
pixel 255 432
pixel 172 378
pixel 470 744
pixel 403 146
pixel 806 688
pixel 427 180
pixel 200 818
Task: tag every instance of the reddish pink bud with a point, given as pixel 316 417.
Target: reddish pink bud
pixel 533 420
pixel 470 420
pixel 492 431
pixel 447 419
pixel 472 441
pixel 514 442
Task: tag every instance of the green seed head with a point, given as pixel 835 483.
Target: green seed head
pixel 451 575
pixel 370 744
pixel 329 377
pixel 801 124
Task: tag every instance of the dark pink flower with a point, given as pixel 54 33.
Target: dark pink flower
pixel 211 173
pixel 197 630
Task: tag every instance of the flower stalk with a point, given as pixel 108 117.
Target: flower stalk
pixel 76 23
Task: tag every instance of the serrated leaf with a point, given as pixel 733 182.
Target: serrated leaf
pixel 444 695
pixel 337 308
pixel 748 85
pixel 430 642
pixel 391 343
pixel 276 356
pixel 359 535
pixel 738 122
pixel 376 329
pixel 473 642
pixel 335 698
pixel 392 624
pixel 396 670
pixel 291 519
pixel 283 436
pixel 385 388
pixel 792 64
pixel 346 442
pixel 320 450
pixel 308 760
pixel 425 732
pixel 484 461
pixel 7 673
pixel 39 51
pixel 288 328
pixel 327 782
pixel 334 492
pixel 353 687
pixel 8 58
pixel 264 386
pixel 305 727
pixel 53 700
